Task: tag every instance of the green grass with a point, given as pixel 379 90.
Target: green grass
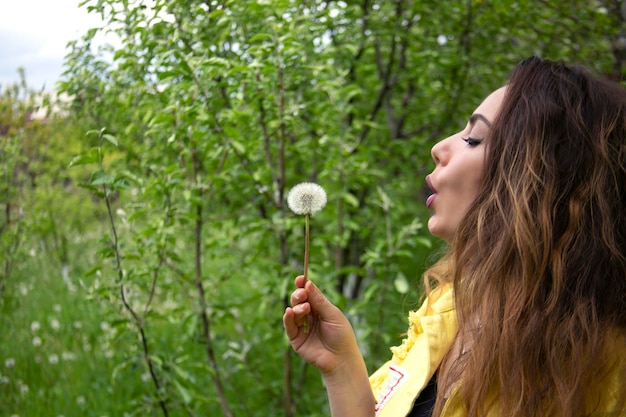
pixel 58 349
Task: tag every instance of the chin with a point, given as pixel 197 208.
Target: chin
pixel 439 232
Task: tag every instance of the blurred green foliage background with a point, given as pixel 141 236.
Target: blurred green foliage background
pixel 147 251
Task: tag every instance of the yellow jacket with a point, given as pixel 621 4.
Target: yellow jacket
pixel 432 329
pixel 431 332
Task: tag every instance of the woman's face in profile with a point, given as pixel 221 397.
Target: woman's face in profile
pixel 459 165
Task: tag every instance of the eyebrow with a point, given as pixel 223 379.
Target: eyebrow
pixel 477 116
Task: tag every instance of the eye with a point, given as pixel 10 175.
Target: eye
pixel 472 141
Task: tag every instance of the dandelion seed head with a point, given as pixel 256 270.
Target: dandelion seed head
pixel 9 363
pixel 34 326
pixel 36 341
pixel 306 198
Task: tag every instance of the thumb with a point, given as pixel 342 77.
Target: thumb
pixel 319 303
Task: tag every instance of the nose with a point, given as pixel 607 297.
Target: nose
pixel 439 151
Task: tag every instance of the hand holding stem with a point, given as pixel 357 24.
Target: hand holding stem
pixel 306 198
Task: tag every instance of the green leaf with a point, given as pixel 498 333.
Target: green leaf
pixel 401 284
pixel 184 392
pixel 238 146
pixel 260 37
pixel 111 139
pixel 100 177
pixel 92 271
pixel 91 157
pixel 351 199
pixel 425 242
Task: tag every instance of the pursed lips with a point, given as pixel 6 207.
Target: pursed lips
pixel 431 198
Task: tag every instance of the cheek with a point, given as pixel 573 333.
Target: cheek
pixel 468 191
pixel 470 180
pixel 462 194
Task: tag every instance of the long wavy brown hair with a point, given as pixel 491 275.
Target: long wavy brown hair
pixel 540 258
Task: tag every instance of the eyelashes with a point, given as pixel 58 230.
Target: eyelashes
pixel 472 141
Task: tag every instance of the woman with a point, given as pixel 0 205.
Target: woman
pixel 531 198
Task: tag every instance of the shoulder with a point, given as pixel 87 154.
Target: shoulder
pixel 440 300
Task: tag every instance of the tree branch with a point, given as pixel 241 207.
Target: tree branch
pixel 135 317
pixel 206 322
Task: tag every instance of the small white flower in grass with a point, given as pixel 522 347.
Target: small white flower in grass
pixel 9 363
pixel 23 289
pixel 55 324
pixel 53 359
pixel 306 198
pixel 36 341
pixel 34 326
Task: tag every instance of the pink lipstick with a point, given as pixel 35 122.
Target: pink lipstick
pixel 431 198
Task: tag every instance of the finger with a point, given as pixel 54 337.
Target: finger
pixel 298 296
pixel 300 281
pixel 301 312
pixel 289 323
pixel 293 319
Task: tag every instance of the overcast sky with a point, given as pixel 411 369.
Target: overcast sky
pixel 34 35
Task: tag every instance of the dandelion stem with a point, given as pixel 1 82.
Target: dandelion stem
pixel 306 262
pixel 306 246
